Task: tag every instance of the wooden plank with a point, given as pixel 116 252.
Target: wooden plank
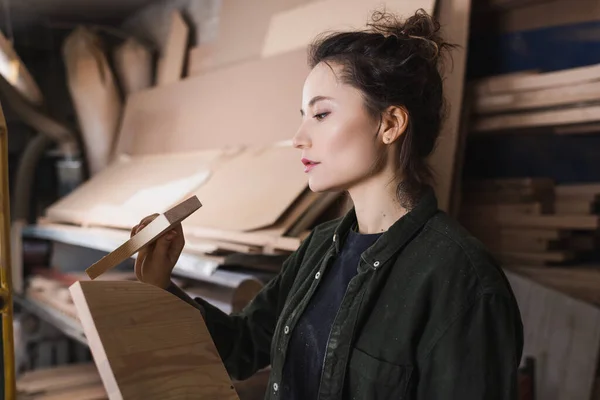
pixel 534 208
pixel 253 238
pixel 501 185
pixel 517 244
pixel 454 17
pixel 200 59
pixel 132 188
pixel 297 28
pixel 170 64
pixel 276 81
pixel 545 258
pixel 91 392
pixel 578 207
pixel 94 93
pixel 228 299
pixel 574 222
pixel 145 237
pixel 581 189
pixel 149 344
pixel 133 64
pixel 15 73
pixel 562 334
pixel 252 190
pixel 506 84
pixel 547 14
pixel 239 37
pixel 564 116
pixel 543 98
pixel 508 184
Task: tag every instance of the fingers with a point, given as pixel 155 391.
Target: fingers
pixel 177 243
pixel 143 223
pixel 139 263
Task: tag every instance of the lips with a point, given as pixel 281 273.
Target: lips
pixel 309 164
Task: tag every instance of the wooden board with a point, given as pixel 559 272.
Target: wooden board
pixel 15 73
pixel 252 190
pixel 148 344
pixel 171 61
pixel 562 334
pixel 145 237
pixel 518 83
pixel 94 93
pixel 239 37
pixel 133 65
pixel 454 16
pixel 225 107
pixel 574 222
pixel 582 190
pixel 132 188
pixel 297 28
pixel 543 98
pixel 532 119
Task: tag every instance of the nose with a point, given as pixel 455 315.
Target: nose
pixel 301 139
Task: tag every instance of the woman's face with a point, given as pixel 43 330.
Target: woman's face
pixel 337 136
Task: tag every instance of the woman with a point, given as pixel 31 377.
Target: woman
pixel 394 300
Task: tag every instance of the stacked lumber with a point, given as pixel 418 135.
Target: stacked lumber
pixel 566 101
pixel 50 287
pixel 255 200
pixel 66 382
pixel 531 221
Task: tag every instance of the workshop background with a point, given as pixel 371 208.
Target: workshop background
pixel 117 109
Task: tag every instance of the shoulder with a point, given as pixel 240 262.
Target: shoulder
pixel 460 257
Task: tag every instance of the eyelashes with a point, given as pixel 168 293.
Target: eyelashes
pixel 320 116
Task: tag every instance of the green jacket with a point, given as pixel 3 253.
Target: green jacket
pixel 429 315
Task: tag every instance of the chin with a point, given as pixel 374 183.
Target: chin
pixel 321 185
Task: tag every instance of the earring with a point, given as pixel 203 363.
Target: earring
pixel 386 140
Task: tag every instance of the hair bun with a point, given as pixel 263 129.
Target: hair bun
pixel 421 29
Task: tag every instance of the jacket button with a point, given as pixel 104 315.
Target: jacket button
pixel 275 386
pixel 286 330
pixel 318 275
pixel 334 237
pixel 376 264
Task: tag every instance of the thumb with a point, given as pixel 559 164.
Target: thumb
pixel 162 245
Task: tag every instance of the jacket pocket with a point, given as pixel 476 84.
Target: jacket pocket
pixel 374 379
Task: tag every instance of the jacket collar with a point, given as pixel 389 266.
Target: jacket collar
pixel 397 236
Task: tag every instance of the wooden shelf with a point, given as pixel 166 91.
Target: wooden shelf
pixel 60 321
pixel 200 267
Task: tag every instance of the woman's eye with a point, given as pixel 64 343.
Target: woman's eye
pixel 320 116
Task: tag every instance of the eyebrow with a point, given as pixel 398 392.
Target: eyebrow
pixel 315 100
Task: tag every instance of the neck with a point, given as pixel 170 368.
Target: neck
pixel 376 205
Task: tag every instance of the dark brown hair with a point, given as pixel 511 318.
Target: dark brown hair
pixel 395 63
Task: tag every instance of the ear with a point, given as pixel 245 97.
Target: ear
pixel 395 122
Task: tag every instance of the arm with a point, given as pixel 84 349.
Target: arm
pixel 478 355
pixel 244 340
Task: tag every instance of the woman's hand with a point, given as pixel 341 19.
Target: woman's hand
pixel 155 263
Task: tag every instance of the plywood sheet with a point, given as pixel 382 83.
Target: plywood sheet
pixel 532 119
pixel 253 103
pixel 171 61
pixel 542 98
pixel 454 16
pixel 242 29
pixel 95 97
pixel 296 28
pixel 252 190
pixel 133 64
pixel 518 83
pixel 563 335
pixel 149 344
pixel 132 188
